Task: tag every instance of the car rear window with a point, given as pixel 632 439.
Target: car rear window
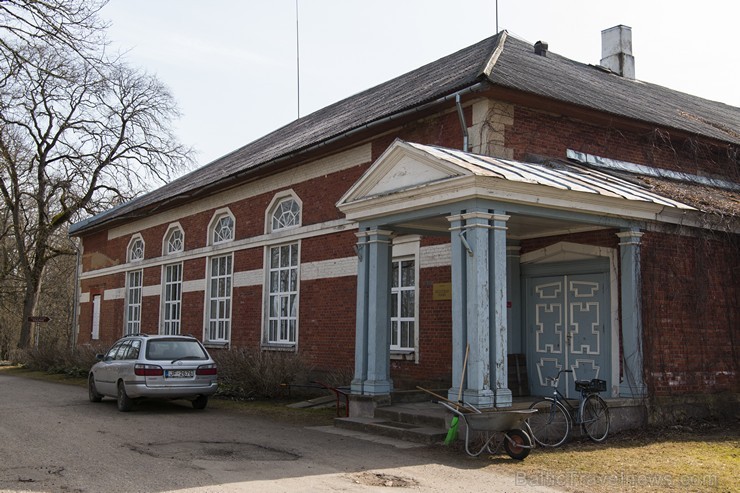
pixel 172 349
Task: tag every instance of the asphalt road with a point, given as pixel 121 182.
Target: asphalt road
pixel 53 439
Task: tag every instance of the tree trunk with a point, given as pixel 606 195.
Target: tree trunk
pixel 29 306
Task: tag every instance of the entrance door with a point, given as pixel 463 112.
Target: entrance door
pixel 567 320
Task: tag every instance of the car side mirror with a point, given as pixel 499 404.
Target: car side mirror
pixel 99 357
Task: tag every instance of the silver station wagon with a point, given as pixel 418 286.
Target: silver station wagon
pixel 154 366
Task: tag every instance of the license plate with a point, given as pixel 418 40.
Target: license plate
pixel 179 374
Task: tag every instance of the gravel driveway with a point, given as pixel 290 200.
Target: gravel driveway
pixel 53 439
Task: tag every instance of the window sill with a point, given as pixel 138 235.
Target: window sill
pixel 216 344
pixel 288 348
pixel 403 355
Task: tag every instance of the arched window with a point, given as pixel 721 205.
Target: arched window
pixel 136 249
pixel 174 241
pixel 222 227
pixel 284 212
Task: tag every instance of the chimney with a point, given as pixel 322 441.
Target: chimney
pixel 540 48
pixel 616 51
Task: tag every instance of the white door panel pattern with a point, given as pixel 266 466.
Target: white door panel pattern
pixel 567 320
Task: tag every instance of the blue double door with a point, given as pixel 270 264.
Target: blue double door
pixel 568 326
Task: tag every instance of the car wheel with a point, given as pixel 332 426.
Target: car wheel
pixel 200 402
pixel 124 401
pixel 92 391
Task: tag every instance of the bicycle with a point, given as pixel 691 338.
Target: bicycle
pixel 555 416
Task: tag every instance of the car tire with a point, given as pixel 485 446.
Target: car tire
pixel 124 401
pixel 200 402
pixel 92 391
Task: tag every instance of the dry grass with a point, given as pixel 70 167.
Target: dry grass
pixel 704 457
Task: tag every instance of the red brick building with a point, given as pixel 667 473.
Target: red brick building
pixel 503 198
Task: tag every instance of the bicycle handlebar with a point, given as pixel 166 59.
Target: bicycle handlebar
pixel 557 377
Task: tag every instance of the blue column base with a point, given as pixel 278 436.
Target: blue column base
pixel 356 387
pixel 481 399
pixel 377 387
pixel 504 398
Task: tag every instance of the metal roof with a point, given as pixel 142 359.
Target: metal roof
pixel 560 175
pixel 501 60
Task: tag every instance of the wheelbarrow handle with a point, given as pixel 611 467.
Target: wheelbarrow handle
pixel 443 400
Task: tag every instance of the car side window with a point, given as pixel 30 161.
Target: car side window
pixel 133 351
pixel 123 350
pixel 111 354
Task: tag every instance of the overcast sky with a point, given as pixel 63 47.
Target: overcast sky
pixel 231 64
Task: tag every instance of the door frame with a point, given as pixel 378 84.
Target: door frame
pixel 573 258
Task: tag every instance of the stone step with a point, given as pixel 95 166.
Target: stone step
pixel 403 431
pixel 421 416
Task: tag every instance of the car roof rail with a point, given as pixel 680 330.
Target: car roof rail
pixel 138 334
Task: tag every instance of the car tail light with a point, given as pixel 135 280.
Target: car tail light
pixel 148 370
pixel 206 370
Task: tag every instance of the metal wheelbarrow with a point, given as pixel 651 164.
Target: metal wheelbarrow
pixel 490 430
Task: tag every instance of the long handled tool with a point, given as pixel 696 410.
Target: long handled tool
pixel 452 433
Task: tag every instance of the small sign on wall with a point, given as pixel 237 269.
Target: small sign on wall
pixel 442 291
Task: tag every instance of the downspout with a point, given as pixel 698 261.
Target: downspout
pixel 462 122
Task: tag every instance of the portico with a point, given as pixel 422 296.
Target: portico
pixel 484 206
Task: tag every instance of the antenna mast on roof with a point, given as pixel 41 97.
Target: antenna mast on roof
pixel 297 63
pixel 496 16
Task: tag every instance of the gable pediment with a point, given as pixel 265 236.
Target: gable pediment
pixel 401 167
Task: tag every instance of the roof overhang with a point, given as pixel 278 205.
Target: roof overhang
pixel 409 177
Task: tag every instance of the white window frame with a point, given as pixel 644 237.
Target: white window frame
pixel 167 247
pixel 171 308
pixel 407 248
pixel 95 331
pixel 397 294
pixel 276 203
pixel 134 292
pixel 218 216
pixel 132 249
pixel 223 303
pixel 273 320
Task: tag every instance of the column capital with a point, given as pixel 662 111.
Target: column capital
pixel 477 219
pixel 630 237
pixel 375 235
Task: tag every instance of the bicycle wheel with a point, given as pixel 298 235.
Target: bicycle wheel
pixel 595 418
pixel 550 425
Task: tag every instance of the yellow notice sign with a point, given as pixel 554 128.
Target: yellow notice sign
pixel 442 291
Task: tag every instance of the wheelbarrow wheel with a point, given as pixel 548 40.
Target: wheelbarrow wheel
pixel 517 444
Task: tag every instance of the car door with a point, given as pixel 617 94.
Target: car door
pixel 104 371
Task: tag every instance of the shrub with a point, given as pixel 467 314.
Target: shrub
pixel 75 362
pixel 246 373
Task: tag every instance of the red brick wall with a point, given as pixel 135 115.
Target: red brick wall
pixel 687 348
pixel 535 132
pixel 691 313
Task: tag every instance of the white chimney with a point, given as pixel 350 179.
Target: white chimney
pixel 616 51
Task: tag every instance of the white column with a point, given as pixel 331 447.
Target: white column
pixel 499 325
pixel 378 379
pixel 459 329
pixel 361 327
pixel 633 383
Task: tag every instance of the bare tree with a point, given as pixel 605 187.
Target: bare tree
pixel 79 132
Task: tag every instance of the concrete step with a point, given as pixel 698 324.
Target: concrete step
pixel 395 429
pixel 422 415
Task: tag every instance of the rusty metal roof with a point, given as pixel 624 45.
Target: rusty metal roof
pixel 556 174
